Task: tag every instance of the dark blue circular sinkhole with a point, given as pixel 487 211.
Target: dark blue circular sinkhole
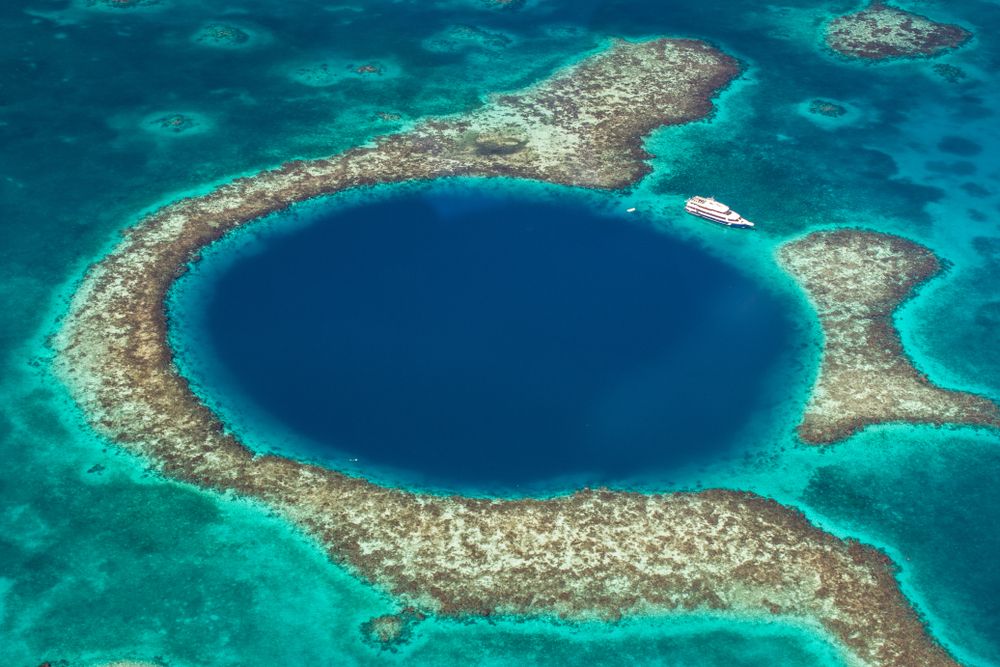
pixel 478 340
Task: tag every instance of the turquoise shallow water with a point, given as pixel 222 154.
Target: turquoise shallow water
pixel 118 563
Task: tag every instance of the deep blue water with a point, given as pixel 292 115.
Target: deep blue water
pixel 480 340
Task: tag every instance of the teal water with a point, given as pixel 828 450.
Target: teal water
pixel 117 563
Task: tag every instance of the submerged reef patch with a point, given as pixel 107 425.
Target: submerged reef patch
pixel 949 73
pixel 881 31
pixel 826 108
pixel 592 554
pixel 959 146
pixel 504 4
pixel 319 75
pixel 458 38
pixel 856 280
pixel 119 5
pixel 222 36
pixel 175 123
pixel 392 630
pixel 832 114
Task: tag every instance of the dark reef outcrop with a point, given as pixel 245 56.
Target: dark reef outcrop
pixel 880 32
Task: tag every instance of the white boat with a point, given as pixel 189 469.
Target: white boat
pixel 710 209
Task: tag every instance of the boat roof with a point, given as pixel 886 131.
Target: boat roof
pixel 710 203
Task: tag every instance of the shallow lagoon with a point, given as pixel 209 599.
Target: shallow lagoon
pixel 485 340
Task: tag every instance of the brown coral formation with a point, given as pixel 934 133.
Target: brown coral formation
pixel 856 280
pixel 591 554
pixel 881 31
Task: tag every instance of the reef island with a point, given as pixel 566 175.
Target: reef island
pixel 591 554
pixel 881 31
pixel 856 280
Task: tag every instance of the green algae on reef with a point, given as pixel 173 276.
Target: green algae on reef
pixel 593 554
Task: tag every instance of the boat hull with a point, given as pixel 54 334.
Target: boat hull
pixel 713 211
pixel 739 222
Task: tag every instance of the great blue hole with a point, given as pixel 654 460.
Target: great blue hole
pixel 478 340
